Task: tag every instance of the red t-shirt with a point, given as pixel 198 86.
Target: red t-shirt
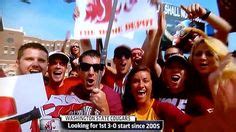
pixel 110 79
pixel 114 101
pixel 172 116
pixel 113 98
pixel 66 89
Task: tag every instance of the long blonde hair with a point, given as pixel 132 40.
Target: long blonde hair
pixel 221 78
pixel 214 45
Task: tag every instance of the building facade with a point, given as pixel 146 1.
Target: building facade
pixel 12 39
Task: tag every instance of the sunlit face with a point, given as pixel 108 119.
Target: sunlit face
pixel 75 49
pixel 174 76
pixel 141 87
pixel 137 57
pixel 56 70
pixel 88 73
pixel 123 64
pixel 33 61
pixel 73 74
pixel 204 60
pixel 171 51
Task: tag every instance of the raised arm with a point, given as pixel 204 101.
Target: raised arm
pixel 63 48
pixel 155 43
pixel 222 26
pixel 147 44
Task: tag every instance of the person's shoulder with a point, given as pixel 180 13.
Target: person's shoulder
pixel 110 71
pixel 109 91
pixel 155 103
pixel 108 78
pixel 47 86
pixel 73 81
pixel 107 88
pixel 71 56
pixel 162 105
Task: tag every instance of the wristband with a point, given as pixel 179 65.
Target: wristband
pixel 205 16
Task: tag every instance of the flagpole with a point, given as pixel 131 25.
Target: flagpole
pixel 108 34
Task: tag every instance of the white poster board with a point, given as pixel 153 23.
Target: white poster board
pixel 130 15
pixel 28 92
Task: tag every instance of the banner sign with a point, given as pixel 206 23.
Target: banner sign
pixel 21 94
pixel 130 15
pixel 97 122
pixel 176 18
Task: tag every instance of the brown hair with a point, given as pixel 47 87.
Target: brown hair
pixel 30 45
pixel 129 103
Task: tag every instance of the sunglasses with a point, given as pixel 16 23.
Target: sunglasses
pixel 234 53
pixel 86 66
pixel 188 35
pixel 137 53
pixel 74 46
pixel 119 56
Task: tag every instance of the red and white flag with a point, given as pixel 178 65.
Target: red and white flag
pixel 130 15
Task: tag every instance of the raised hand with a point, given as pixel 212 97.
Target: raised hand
pixel 161 20
pixel 98 97
pixel 194 11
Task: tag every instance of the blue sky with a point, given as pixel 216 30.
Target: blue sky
pixel 51 19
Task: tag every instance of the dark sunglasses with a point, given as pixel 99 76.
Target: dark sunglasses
pixel 86 66
pixel 74 46
pixel 119 56
pixel 188 35
pixel 234 53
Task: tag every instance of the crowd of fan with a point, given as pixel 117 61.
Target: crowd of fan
pixel 189 93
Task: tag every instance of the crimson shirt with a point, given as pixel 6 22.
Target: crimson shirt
pixel 66 89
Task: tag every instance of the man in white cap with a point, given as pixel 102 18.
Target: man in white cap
pixel 57 67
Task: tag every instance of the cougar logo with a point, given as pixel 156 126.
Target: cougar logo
pixel 99 11
pixel 50 125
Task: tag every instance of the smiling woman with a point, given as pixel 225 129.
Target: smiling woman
pixel 138 101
